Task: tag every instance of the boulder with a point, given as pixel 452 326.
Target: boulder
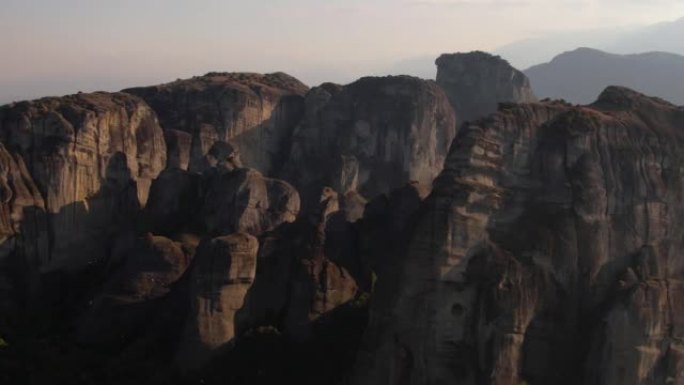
pixel 221 276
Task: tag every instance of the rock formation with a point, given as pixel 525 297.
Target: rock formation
pixel 92 157
pixel 297 282
pixel 222 273
pixel 546 253
pixel 174 202
pixel 386 224
pixel 148 269
pixel 477 82
pixel 245 201
pixel 257 112
pixel 371 136
pixel 24 242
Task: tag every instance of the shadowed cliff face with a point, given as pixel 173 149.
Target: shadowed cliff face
pixel 83 151
pixel 24 243
pixel 477 82
pixel 257 112
pixel 548 252
pixel 371 136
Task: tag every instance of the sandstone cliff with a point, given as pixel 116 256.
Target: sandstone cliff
pixel 223 272
pixel 257 112
pixel 93 158
pixel 24 241
pixel 371 136
pixel 546 253
pixel 297 281
pixel 477 82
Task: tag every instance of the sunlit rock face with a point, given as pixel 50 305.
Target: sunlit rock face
pixel 222 273
pixel 371 136
pixel 477 82
pixel 548 252
pixel 541 247
pixel 257 112
pixel 93 158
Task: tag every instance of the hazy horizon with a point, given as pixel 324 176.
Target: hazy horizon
pixel 80 45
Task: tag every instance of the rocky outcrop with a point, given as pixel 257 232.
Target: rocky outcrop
pixel 225 199
pixel 144 274
pixel 93 158
pixel 371 136
pixel 546 253
pixel 257 112
pixel 178 148
pixel 174 202
pixel 24 242
pixel 477 82
pixel 222 273
pixel 243 200
pixel 297 282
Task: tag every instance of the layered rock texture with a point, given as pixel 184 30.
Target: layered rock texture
pixel 93 158
pixel 222 274
pixel 24 242
pixel 371 136
pixel 259 232
pixel 477 82
pixel 297 281
pixel 257 112
pixel 245 201
pixel 548 252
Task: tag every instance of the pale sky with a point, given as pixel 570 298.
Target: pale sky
pixel 53 47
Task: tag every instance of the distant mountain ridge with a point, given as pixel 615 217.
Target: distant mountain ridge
pixel 580 75
pixel 655 37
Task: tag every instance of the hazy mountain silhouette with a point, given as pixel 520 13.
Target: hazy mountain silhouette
pixel 664 37
pixel 521 54
pixel 579 76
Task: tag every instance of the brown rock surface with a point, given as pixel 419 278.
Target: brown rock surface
pixel 243 200
pixel 222 273
pixel 92 157
pixel 225 199
pixel 178 148
pixel 257 112
pixel 548 252
pixel 144 274
pixel 371 136
pixel 24 242
pixel 477 82
pixel 296 281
